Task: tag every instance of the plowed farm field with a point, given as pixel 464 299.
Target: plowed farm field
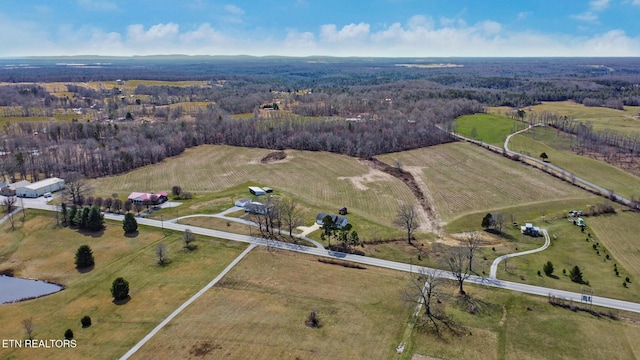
pixel 323 181
pixel 461 178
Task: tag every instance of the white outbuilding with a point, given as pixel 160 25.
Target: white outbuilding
pixel 40 188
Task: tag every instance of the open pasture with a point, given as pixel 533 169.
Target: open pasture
pixel 571 248
pixel 598 172
pixel 317 180
pixel 623 121
pixel 491 129
pixel 258 311
pixel 620 234
pixel 38 249
pixel 461 178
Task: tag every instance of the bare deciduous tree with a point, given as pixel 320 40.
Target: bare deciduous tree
pixel 472 243
pixel 8 202
pixel 188 237
pixel 75 187
pixel 423 288
pixel 457 259
pixel 161 252
pixel 28 327
pixel 291 214
pixel 407 219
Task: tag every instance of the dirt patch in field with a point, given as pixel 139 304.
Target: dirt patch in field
pixel 427 215
pixel 274 156
pixel 360 182
pixel 486 239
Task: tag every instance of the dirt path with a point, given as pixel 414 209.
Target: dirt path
pixel 428 219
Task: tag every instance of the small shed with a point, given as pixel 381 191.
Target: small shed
pixel 256 191
pixel 268 190
pixel 343 211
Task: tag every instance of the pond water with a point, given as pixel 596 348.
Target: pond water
pixel 14 289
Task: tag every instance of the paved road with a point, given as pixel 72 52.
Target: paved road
pixel 223 216
pixel 496 262
pixel 524 288
pixel 177 311
pixel 576 179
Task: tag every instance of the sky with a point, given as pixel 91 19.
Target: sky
pixel 366 28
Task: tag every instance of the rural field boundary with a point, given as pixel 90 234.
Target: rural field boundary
pixel 550 169
pixel 177 311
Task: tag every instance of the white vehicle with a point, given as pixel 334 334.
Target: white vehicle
pixel 47 194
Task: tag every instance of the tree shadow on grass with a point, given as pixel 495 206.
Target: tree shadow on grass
pixel 121 301
pixel 132 234
pixel 553 276
pixel 85 269
pixel 93 234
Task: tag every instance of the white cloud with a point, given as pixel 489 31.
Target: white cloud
pixel 351 32
pixel 525 14
pixel 418 36
pixel 595 7
pixel 599 5
pixel 137 34
pixel 234 10
pixel 588 16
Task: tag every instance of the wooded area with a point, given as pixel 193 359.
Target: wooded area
pixel 356 107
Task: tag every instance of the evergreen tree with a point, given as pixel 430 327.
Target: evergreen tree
pixel 576 275
pixel 129 224
pixel 487 221
pixel 84 222
pixel 84 257
pixel 72 215
pixel 120 289
pixel 548 268
pixel 96 219
pixel 64 211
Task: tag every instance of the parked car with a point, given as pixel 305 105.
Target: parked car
pixel 47 195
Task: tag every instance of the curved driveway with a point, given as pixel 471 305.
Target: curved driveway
pixel 496 262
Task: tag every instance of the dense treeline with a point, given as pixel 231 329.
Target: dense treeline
pixel 97 149
pixel 387 107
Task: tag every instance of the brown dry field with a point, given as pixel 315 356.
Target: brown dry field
pixel 259 309
pixel 461 178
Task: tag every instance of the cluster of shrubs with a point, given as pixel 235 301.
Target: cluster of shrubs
pixel 178 194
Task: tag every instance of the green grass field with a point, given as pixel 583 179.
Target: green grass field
pixel 619 234
pixel 37 249
pixel 623 121
pixel 491 129
pixel 547 140
pixel 461 178
pixel 320 182
pixel 570 249
pixel 510 325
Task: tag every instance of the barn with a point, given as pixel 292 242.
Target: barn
pixel 40 188
pixel 256 191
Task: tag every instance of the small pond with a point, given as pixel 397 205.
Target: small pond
pixel 15 289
